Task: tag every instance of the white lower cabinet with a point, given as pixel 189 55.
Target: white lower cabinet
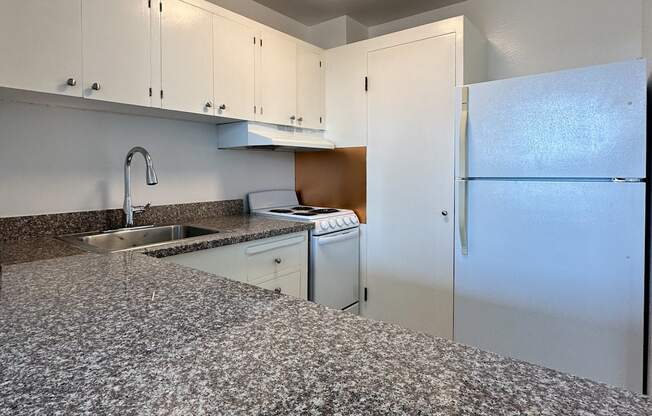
pixel 277 263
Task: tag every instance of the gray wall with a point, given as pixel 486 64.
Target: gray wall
pixel 55 159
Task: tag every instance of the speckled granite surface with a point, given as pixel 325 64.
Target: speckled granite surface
pixel 232 230
pixel 38 226
pixel 129 334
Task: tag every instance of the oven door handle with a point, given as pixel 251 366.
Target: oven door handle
pixel 338 238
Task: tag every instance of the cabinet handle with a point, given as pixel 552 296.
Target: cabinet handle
pixel 300 119
pixel 444 213
pixel 278 261
pixel 278 290
pixel 222 107
pixel 72 82
pixel 292 118
pixel 209 104
pixel 96 86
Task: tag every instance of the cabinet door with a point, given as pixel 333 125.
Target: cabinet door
pixel 40 45
pixel 116 51
pixel 309 89
pixel 234 68
pixel 410 257
pixel 278 80
pixel 186 58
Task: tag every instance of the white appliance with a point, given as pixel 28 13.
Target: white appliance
pixel 550 211
pixel 252 135
pixel 334 263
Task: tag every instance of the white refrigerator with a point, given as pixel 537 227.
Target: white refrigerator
pixel 550 217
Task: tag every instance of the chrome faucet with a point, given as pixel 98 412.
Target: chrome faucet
pixel 150 177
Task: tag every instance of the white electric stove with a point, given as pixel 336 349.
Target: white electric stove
pixel 334 263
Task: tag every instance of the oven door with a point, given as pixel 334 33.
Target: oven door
pixel 335 269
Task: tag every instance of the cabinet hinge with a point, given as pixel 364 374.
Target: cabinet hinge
pixel 366 83
pixel 254 40
pixel 150 91
pixel 254 109
pixel 161 94
pixel 320 64
pixel 365 294
pixel 160 7
pixel 261 109
pixel 320 120
pixel 149 3
pixel 261 42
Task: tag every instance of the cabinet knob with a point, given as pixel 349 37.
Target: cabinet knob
pixel 277 290
pixel 222 107
pixel 278 261
pixel 209 104
pixel 300 119
pixel 444 213
pixel 72 82
pixel 292 118
pixel 96 86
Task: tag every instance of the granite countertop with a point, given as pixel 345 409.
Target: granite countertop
pixel 232 229
pixel 131 334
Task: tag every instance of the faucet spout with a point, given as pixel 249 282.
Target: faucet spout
pixel 150 178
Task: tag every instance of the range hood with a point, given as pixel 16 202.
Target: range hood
pixel 252 135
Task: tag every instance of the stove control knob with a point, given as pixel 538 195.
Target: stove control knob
pixel 347 221
pixel 354 219
pixel 332 223
pixel 324 225
pixel 340 222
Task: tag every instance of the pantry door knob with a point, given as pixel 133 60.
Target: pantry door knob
pixel 444 213
pixel 96 86
pixel 72 82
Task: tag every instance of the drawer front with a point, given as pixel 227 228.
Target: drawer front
pixel 274 258
pixel 289 284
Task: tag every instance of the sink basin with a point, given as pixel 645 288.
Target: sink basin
pixel 134 238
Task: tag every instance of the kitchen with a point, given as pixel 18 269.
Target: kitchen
pixel 297 106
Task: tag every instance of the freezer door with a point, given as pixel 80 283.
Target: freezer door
pixel 582 123
pixel 554 275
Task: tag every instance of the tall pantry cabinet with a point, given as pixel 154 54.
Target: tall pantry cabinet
pixel 395 94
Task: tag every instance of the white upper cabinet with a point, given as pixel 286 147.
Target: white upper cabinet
pixel 41 45
pixel 116 50
pixel 234 51
pixel 277 72
pixel 310 96
pixel 186 58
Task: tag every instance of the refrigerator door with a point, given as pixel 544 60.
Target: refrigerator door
pixel 554 275
pixel 582 123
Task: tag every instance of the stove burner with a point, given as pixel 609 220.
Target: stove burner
pixel 306 214
pixel 325 211
pixel 302 208
pixel 281 211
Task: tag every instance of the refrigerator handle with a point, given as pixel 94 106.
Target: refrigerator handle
pixel 462 215
pixel 462 191
pixel 463 153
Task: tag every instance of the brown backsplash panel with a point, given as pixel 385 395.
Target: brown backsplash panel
pixel 335 179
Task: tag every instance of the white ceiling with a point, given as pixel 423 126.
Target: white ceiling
pixel 367 12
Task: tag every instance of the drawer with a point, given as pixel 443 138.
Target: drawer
pixel 274 258
pixel 289 284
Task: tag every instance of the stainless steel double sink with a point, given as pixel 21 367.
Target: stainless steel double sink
pixel 134 238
